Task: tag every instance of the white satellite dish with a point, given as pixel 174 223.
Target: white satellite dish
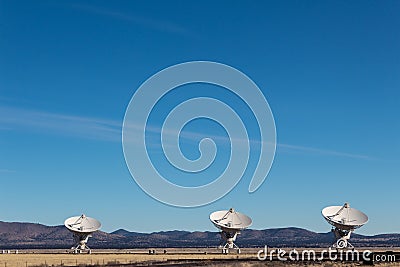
pixel 82 228
pixel 230 223
pixel 344 220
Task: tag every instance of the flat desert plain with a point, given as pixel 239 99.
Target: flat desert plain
pixel 169 257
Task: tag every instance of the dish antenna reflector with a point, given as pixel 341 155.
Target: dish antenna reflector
pixel 344 221
pixel 230 223
pixel 82 228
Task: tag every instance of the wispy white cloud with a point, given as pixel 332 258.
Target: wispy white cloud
pixel 281 147
pixel 12 118
pixel 151 23
pixel 6 171
pixel 313 150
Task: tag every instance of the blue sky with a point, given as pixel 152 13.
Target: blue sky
pixel 329 70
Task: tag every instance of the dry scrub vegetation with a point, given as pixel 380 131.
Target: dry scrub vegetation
pixel 36 259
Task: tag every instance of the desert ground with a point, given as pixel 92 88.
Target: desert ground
pixel 169 257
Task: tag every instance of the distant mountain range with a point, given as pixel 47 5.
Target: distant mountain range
pixel 15 235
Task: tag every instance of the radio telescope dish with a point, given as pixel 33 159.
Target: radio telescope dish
pixel 344 220
pixel 230 223
pixel 82 228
